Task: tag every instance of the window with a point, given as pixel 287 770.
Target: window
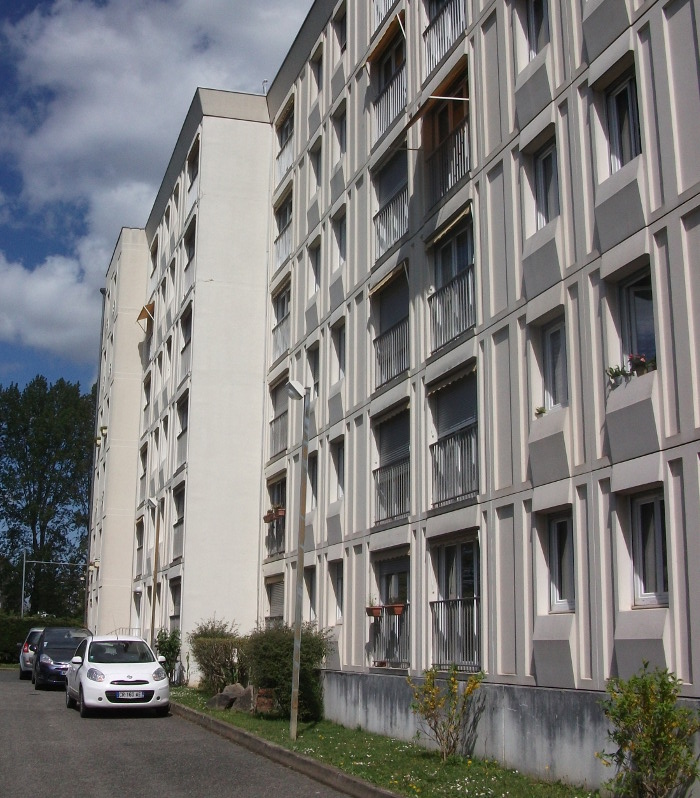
pixel 312 500
pixel 555 369
pixel 182 415
pixel 186 328
pixel 286 129
pixel 546 185
pixel 649 550
pixel 283 215
pixel 146 393
pixel 154 255
pixel 339 242
pixel 336 569
pixel 312 355
pixel 637 302
pixel 623 122
pixel 338 335
pixel 561 564
pixel 193 164
pixel 139 548
pixel 281 302
pixel 317 71
pixel 310 598
pixel 338 459
pixel 314 269
pixel 340 26
pixel 537 26
pixel 454 256
pixel 283 242
pixel 274 587
pixel 178 521
pixel 392 478
pixel 394 581
pixel 391 62
pixel 315 168
pixel 190 240
pixel 340 135
pixel 175 601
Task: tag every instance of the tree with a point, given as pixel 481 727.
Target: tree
pixel 46 444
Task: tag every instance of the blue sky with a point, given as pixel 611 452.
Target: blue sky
pixel 94 93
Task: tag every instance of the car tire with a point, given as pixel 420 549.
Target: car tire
pixel 23 674
pixel 37 684
pixel 162 712
pixel 70 701
pixel 84 711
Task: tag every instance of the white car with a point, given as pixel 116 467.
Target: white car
pixel 115 672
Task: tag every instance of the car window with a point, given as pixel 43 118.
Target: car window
pixel 80 651
pixel 33 637
pixel 120 651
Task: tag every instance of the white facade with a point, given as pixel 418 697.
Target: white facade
pixel 469 211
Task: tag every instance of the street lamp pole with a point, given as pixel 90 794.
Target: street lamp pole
pixel 297 391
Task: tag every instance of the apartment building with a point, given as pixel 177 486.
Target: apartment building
pixel 478 208
pixel 468 228
pixel 116 438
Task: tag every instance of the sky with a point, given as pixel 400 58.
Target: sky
pixel 93 94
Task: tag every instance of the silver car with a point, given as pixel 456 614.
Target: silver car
pixel 26 652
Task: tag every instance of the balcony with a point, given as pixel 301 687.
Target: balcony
pixel 280 338
pixel 455 466
pixel 391 353
pixel 391 222
pixel 285 158
pixel 392 491
pixel 178 539
pixel 274 539
pixel 283 245
pixel 391 639
pixel 442 33
pixel 452 309
pixel 456 634
pixel 381 8
pixel 278 434
pixel 390 103
pixel 449 163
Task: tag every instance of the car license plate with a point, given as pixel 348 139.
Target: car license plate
pixel 130 694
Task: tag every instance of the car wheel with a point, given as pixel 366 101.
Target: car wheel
pixel 23 674
pixel 37 684
pixel 84 711
pixel 162 711
pixel 70 701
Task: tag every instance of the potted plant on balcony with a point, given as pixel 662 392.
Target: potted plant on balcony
pixel 276 511
pixel 616 373
pixel 641 364
pixel 395 606
pixel 540 411
pixel 373 610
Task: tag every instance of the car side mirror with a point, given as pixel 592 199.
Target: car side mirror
pixel 77 661
pixel 161 659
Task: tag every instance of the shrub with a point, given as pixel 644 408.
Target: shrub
pixel 270 651
pixel 653 735
pixel 217 649
pixel 168 646
pixel 444 710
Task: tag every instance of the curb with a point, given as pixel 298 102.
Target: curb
pixel 329 775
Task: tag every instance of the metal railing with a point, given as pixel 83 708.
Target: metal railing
pixel 283 245
pixel 285 158
pixel 274 539
pixel 381 9
pixel 392 490
pixel 391 221
pixel 280 337
pixel 391 639
pixel 442 33
pixel 390 103
pixel 456 634
pixel 278 434
pixel 455 466
pixel 449 163
pixel 391 353
pixel 452 309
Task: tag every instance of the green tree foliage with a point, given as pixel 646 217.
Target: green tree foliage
pixel 653 735
pixel 46 445
pixel 168 646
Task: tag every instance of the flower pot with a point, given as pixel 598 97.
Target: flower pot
pixel 373 612
pixel 269 517
pixel 395 609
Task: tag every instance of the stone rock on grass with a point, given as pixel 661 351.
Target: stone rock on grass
pixel 220 701
pixel 244 702
pixel 234 690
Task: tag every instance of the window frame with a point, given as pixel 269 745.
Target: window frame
pixel 618 138
pixel 642 596
pixel 630 319
pixel 536 26
pixel 558 579
pixel 547 205
pixel 549 368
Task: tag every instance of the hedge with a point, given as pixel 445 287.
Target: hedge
pixel 13 630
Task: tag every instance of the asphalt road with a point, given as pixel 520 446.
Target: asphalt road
pixel 46 749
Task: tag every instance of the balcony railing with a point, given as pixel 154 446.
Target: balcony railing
pixel 391 353
pixel 274 540
pixel 391 639
pixel 381 9
pixel 392 490
pixel 278 434
pixel 449 163
pixel 280 338
pixel 178 539
pixel 442 33
pixel 283 245
pixel 457 634
pixel 452 309
pixel 285 158
pixel 455 466
pixel 390 103
pixel 391 222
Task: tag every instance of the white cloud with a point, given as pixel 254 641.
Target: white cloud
pixel 104 89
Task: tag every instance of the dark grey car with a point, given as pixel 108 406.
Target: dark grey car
pixel 54 651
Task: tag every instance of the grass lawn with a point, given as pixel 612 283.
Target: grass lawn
pixel 405 768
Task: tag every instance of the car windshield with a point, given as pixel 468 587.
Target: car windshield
pixel 120 651
pixel 65 637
